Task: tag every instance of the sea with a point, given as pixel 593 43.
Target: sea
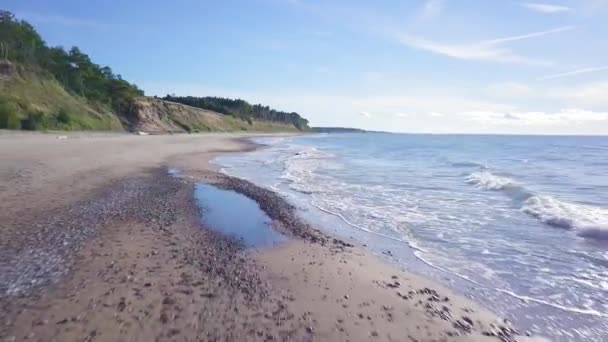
pixel 519 224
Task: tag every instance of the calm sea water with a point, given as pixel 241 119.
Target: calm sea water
pixel 517 223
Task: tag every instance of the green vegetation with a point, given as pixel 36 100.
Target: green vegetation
pixel 39 102
pixel 8 116
pixel 337 130
pixel 241 109
pixel 74 70
pixel 50 88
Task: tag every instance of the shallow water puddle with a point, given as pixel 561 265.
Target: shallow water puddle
pixel 236 215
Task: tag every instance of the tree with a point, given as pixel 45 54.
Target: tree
pixel 19 42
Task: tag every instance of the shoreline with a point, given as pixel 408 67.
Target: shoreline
pixel 148 269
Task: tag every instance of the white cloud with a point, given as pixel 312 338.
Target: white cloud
pixel 401 115
pixel 436 104
pixel 574 73
pixel 545 8
pixel 471 51
pixel 588 94
pixel 560 118
pixel 436 114
pixel 490 51
pixel 365 114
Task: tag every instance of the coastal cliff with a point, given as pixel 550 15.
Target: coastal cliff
pixel 158 116
pixel 33 100
pixel 51 88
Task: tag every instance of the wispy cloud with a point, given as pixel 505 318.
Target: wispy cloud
pixel 530 35
pixel 562 118
pixel 401 115
pixel 590 94
pixel 545 8
pixel 574 73
pixel 365 114
pixel 510 90
pixel 586 95
pixel 60 20
pixel 490 51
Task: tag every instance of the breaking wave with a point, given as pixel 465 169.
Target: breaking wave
pixel 489 181
pixel 588 221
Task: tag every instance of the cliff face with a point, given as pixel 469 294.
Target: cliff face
pixel 157 116
pixel 7 70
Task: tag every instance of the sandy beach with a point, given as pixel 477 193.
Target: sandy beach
pixel 99 242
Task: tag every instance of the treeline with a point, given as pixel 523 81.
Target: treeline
pixel 337 130
pixel 19 42
pixel 241 109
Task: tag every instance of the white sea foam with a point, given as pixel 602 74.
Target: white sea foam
pixel 489 181
pixel 584 311
pixel 367 230
pixel 300 166
pixel 586 220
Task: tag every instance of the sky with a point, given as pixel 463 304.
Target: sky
pixel 420 66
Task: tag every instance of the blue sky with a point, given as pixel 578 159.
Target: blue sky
pixel 439 66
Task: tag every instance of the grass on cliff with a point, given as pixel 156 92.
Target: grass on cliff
pixel 232 124
pixel 32 101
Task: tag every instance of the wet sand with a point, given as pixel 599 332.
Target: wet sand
pixel 100 243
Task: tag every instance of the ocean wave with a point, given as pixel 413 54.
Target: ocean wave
pixel 299 167
pixel 587 221
pixel 489 181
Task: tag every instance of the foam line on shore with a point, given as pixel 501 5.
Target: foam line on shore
pixel 417 251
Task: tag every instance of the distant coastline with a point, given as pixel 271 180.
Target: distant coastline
pixel 337 130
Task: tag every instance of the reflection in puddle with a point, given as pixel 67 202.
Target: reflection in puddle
pixel 236 215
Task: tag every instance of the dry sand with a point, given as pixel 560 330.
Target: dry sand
pixel 99 243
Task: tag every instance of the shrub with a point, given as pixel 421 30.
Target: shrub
pixel 34 121
pixel 63 117
pixel 9 118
